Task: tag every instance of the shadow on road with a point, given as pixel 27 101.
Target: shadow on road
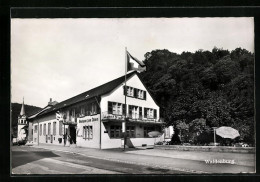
pixel 23 157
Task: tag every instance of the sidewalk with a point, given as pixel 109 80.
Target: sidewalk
pixel 191 162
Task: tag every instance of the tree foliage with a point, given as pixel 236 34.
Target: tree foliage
pixel 205 89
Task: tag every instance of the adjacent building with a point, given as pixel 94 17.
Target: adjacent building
pixel 94 118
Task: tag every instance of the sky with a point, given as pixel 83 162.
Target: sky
pixel 60 58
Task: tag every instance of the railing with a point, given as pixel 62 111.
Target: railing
pixel 132 117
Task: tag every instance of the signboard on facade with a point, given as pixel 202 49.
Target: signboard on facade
pixel 88 119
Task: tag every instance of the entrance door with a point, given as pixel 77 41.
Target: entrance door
pixel 72 135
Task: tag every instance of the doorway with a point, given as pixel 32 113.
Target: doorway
pixel 72 135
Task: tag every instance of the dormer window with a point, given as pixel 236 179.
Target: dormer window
pixel 134 92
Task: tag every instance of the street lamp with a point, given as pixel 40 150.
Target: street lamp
pixel 214 128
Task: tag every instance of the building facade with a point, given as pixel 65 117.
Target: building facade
pixel 94 118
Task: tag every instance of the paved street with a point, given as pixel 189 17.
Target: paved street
pixel 70 160
pixel 29 160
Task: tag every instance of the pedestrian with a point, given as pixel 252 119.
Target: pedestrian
pixel 65 139
pixel 69 139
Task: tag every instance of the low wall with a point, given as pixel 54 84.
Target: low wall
pixel 208 148
pixel 139 142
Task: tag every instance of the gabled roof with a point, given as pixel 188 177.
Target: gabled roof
pixel 97 91
pixel 38 112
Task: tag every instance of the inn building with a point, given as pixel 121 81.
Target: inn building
pixel 94 118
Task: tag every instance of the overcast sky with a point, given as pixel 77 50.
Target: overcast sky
pixel 60 58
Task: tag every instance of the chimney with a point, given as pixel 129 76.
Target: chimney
pixel 50 103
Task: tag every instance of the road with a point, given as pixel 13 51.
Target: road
pixel 29 160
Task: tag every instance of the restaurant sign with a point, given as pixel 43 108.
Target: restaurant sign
pixel 88 119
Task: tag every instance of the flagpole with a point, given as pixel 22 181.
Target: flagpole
pixel 124 122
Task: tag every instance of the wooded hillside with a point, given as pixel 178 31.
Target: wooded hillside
pixel 197 91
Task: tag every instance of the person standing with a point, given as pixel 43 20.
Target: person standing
pixel 65 139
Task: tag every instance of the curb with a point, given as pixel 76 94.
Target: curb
pixel 128 162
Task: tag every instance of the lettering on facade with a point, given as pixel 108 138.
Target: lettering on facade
pixel 88 120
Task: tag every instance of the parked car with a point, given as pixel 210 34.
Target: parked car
pixel 241 144
pixel 159 143
pixel 245 145
pixel 14 142
pixel 21 142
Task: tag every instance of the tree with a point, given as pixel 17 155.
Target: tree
pixel 216 88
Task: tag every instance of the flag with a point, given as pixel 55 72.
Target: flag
pixel 134 64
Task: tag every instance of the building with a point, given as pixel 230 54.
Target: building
pixel 22 125
pixel 94 118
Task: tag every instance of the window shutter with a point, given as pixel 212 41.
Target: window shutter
pixel 155 113
pixel 144 95
pixel 124 90
pixel 135 92
pixel 124 109
pixel 110 107
pixel 130 110
pixel 140 112
pixel 145 112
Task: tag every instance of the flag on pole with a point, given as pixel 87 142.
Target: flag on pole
pixel 134 64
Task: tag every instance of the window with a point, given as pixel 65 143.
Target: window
pixel 72 113
pixel 40 129
pixel 134 111
pixel 60 127
pixel 35 128
pixel 88 132
pixel 134 92
pixel 54 128
pixel 84 132
pixel 49 128
pixel 115 131
pixel 150 113
pixel 119 108
pixel 140 112
pixel 140 94
pixel 130 130
pixel 93 108
pixel 44 129
pixel 116 108
pixel 82 111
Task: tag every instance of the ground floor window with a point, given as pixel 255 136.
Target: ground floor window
pixel 40 129
pixel 88 132
pixel 115 131
pixel 54 128
pixel 35 128
pixel 49 128
pixel 130 130
pixel 44 129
